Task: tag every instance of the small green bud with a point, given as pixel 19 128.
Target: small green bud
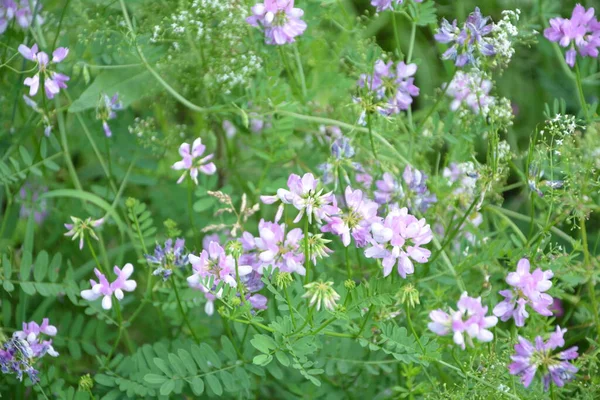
pixel 130 202
pixel 409 295
pixel 234 248
pixel 86 383
pixel 349 284
pixel 236 301
pixel 283 280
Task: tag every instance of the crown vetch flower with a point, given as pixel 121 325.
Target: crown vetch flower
pixel 531 357
pixel 467 42
pixel 322 294
pixel 53 81
pixel 104 289
pixel 19 11
pixel 215 262
pixel 467 323
pixel 355 219
pixel 472 90
pixel 192 161
pixel 581 33
pixel 528 289
pixel 398 239
pixel 278 249
pixel 168 257
pixel 106 110
pixel 280 20
pixel 32 333
pixel 303 195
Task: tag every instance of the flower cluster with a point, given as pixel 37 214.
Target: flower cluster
pixel 106 289
pixel 531 357
pixel 580 33
pixel 322 294
pixel 215 263
pixel 168 257
pixel 528 289
pixel 397 239
pixel 20 11
pixel 53 81
pixel 468 42
pixel 468 322
pixel 21 352
pixel 280 20
pixel 392 89
pixel 412 190
pixel 107 109
pixel 470 89
pixel 192 161
pixel 31 203
pixel 80 228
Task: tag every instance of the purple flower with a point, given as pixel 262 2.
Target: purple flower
pixel 104 289
pixel 466 41
pixel 472 90
pixel 53 81
pixel 168 257
pixel 398 239
pixel 467 323
pixel 193 161
pixel 417 195
pixel 355 219
pixel 279 19
pixel 21 12
pixel 229 128
pixel 383 5
pixel 216 263
pixel 29 196
pixel 528 289
pixel 529 357
pixel 580 33
pixel 392 88
pixel 106 110
pixel 277 249
pixel 305 197
pixel 32 333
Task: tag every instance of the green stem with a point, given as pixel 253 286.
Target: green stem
pixel 300 69
pixel 191 207
pixel 371 137
pixel 364 323
pixel 589 267
pixel 183 313
pixel 289 303
pixel 306 252
pixel 581 94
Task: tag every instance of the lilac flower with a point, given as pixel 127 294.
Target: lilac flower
pixel 303 195
pixel 20 11
pixel 193 161
pixel 29 195
pixel 253 283
pixel 168 257
pixel 355 219
pixel 106 110
pixel 472 90
pixel 277 249
pixel 466 41
pixel 342 153
pixel 383 5
pixel 79 228
pixel 104 289
pixel 529 357
pixel 216 263
pixel 279 19
pixel 418 196
pixel 528 289
pixel 580 33
pixel 229 128
pixel 53 81
pixel 32 332
pixel 392 89
pixel 398 239
pixel 467 323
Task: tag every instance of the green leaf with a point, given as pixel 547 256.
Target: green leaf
pixel 188 361
pixel 197 385
pixel 210 354
pixel 214 384
pixel 41 266
pixel 177 365
pixel 282 358
pixel 263 343
pixel 228 348
pixel 163 366
pixel 155 379
pixel 167 387
pixel 262 359
pixel 132 85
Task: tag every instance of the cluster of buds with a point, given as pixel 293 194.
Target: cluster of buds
pixel 80 228
pixel 322 294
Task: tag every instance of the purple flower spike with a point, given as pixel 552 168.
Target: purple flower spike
pixel 279 19
pixel 192 161
pixel 53 81
pixel 107 109
pixel 529 358
pixel 581 33
pixel 528 289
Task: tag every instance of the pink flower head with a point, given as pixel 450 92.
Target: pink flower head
pixel 216 263
pixel 580 33
pixel 104 289
pixel 303 195
pixel 32 333
pixel 467 323
pixel 53 81
pixel 398 240
pixel 382 5
pixel 193 161
pixel 279 19
pixel 529 358
pixel 355 220
pixel 278 249
pixel 528 289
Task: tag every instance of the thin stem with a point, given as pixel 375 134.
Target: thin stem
pixel 306 251
pixel 289 303
pixel 183 313
pixel 371 137
pixel 364 323
pixel 581 94
pixel 191 207
pixel 300 69
pixel 589 267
